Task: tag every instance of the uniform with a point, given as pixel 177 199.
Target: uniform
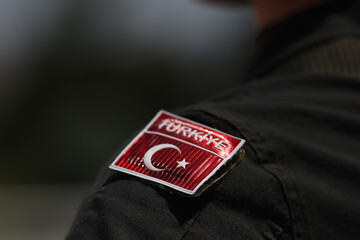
pixel 299 111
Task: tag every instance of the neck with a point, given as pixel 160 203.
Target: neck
pixel 270 12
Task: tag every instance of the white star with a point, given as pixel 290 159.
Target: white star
pixel 182 163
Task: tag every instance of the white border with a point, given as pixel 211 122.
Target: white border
pixel 114 167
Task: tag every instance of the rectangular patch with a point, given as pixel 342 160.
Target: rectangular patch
pixel 177 152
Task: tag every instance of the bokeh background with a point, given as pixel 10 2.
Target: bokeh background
pixel 77 78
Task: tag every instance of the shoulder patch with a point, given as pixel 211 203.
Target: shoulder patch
pixel 179 153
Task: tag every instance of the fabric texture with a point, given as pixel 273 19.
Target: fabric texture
pixel 298 110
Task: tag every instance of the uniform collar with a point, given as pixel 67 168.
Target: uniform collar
pixel 279 42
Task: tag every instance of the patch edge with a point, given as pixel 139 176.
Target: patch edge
pixel 162 182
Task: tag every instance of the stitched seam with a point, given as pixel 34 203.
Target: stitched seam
pixel 194 221
pixel 256 151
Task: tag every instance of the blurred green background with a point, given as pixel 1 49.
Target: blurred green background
pixel 78 78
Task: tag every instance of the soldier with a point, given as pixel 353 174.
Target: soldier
pixel 297 110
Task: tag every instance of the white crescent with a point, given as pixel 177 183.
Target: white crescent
pixel 148 155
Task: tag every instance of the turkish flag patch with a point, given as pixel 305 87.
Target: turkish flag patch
pixel 179 153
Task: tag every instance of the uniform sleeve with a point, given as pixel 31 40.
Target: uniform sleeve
pixel 247 203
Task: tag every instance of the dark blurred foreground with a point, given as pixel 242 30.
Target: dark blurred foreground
pixel 77 78
pixel 38 212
